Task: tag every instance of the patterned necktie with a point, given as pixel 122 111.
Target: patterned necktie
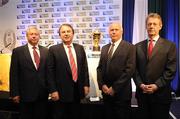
pixel 72 63
pixel 150 48
pixel 110 53
pixel 36 57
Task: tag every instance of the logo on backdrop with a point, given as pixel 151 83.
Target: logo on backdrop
pixel 9 39
pixel 3 2
pixel 84 16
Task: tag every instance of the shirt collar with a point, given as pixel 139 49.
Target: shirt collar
pixel 117 42
pixel 68 45
pixel 30 46
pixel 155 38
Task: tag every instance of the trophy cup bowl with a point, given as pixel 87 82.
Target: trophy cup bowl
pixel 96 38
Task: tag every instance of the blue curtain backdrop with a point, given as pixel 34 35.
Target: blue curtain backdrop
pixel 171 19
pixel 178 90
pixel 169 11
pixel 128 17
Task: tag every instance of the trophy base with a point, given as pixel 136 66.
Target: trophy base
pixel 96 48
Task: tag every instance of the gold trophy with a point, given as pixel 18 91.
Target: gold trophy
pixel 96 38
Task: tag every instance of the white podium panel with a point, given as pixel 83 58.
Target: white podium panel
pixel 93 60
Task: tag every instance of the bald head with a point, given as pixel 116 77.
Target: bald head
pixel 115 31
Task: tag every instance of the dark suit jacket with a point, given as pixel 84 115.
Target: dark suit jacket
pixel 60 76
pixel 121 68
pixel 25 81
pixel 159 69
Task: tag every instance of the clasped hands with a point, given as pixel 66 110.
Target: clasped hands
pixel 150 88
pixel 108 90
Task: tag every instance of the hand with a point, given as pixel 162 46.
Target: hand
pixel 86 90
pixel 16 99
pixel 151 88
pixel 55 96
pixel 143 87
pixel 111 91
pixel 105 89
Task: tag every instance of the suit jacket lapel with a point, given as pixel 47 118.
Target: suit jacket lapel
pixel 157 47
pixel 118 48
pixel 106 50
pixel 144 47
pixel 143 50
pixel 115 52
pixel 42 56
pixel 28 57
pixel 62 53
pixel 78 55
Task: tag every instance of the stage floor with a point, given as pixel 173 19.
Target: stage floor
pixel 9 110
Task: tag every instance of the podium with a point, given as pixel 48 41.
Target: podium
pixel 93 60
pixel 5 60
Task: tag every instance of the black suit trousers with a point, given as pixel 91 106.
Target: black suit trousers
pixel 34 110
pixel 148 109
pixel 117 109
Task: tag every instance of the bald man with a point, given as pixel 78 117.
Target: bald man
pixel 116 67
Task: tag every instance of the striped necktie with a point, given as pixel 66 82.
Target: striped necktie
pixel 36 57
pixel 72 63
pixel 110 53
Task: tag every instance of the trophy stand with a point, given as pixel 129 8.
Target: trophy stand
pixel 96 48
pixel 93 57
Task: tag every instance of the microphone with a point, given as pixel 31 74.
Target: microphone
pixel 48 45
pixel 7 45
pixel 4 47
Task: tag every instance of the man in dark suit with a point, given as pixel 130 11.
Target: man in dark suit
pixel 114 74
pixel 28 84
pixel 68 75
pixel 156 67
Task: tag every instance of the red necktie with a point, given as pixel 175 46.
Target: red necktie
pixel 36 57
pixel 72 63
pixel 150 48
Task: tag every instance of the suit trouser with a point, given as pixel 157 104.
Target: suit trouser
pixel 148 109
pixel 117 109
pixel 34 110
pixel 67 110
